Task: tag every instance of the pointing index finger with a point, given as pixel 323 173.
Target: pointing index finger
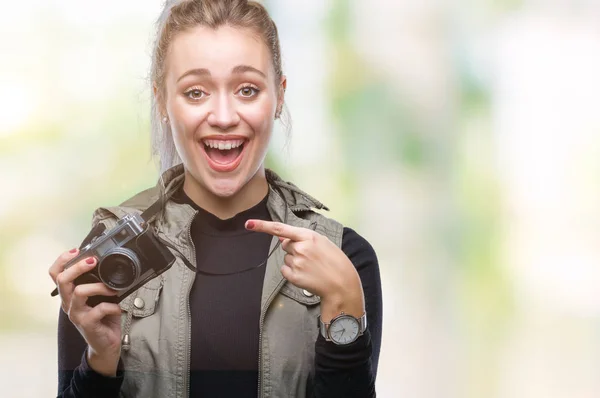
pixel 279 229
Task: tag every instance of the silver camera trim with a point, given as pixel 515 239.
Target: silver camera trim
pixel 130 254
pixel 131 222
pixel 131 226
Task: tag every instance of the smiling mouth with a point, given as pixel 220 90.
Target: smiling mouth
pixel 223 155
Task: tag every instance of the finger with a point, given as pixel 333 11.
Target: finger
pixel 77 269
pixel 289 260
pixel 59 264
pixel 64 280
pixel 279 229
pixel 289 274
pixel 287 245
pixel 84 291
pixel 102 310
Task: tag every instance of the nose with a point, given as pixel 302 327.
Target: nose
pixel 223 114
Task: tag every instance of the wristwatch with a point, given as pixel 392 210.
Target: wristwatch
pixel 343 329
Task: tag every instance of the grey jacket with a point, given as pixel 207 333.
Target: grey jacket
pixel 156 327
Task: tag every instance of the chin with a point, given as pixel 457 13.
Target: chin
pixel 224 188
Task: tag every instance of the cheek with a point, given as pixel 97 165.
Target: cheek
pixel 185 119
pixel 260 118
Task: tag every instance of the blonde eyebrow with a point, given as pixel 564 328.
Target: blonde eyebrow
pixel 247 68
pixel 236 70
pixel 196 72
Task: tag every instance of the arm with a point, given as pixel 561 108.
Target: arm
pixel 350 371
pixel 347 280
pixel 93 333
pixel 75 377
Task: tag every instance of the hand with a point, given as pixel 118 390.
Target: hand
pixel 100 326
pixel 315 263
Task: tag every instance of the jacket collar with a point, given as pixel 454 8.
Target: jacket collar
pixel 284 197
pixel 172 178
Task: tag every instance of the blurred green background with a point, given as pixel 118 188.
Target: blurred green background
pixel 460 138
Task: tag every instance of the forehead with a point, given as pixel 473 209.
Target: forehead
pixel 218 50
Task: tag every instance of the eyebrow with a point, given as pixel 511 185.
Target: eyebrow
pixel 236 70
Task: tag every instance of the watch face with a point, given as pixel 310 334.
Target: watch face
pixel 344 330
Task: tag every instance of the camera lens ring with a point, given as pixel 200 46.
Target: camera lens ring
pixel 119 269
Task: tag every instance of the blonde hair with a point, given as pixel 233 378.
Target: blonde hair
pixel 179 15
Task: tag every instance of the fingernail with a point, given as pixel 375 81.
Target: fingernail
pixel 90 260
pixel 250 224
pixel 73 250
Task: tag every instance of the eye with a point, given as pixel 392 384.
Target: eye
pixel 195 94
pixel 248 91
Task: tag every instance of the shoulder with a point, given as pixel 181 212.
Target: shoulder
pixel 324 225
pixel 135 204
pixel 169 181
pixel 353 244
pixel 305 206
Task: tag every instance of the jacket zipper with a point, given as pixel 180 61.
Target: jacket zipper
pixel 263 313
pixel 186 372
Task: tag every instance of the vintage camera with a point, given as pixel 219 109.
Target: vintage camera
pixel 128 255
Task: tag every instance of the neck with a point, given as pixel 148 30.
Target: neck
pixel 226 207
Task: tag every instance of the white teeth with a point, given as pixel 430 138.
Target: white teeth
pixel 223 145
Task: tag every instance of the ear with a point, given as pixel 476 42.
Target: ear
pixel 281 92
pixel 160 104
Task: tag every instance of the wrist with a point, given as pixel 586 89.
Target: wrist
pixel 334 304
pixel 104 364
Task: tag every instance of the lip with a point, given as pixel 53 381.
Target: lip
pixel 223 168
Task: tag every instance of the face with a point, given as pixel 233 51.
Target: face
pixel 221 96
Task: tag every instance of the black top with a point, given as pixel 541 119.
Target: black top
pixel 225 312
pixel 226 308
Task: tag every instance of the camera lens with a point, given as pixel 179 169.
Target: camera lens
pixel 119 269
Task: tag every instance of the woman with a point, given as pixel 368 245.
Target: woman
pixel 257 319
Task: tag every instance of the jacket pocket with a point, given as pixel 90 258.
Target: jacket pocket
pixel 305 313
pixel 145 352
pixel 144 301
pixel 137 308
pixel 140 330
pixel 300 295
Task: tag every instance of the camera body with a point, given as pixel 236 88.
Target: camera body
pixel 128 255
